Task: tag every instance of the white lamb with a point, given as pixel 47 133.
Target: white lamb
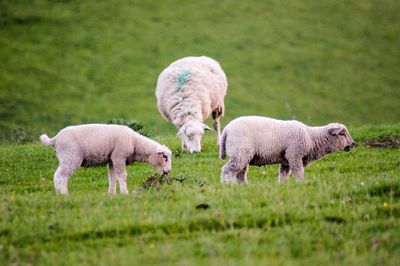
pixel 98 144
pixel 259 141
pixel 188 91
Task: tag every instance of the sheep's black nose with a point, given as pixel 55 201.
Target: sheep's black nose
pixel 353 144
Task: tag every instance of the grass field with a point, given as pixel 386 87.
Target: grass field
pixel 72 62
pixel 345 213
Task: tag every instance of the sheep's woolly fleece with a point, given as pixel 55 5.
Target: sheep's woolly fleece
pixel 195 85
pixel 182 78
pixel 189 90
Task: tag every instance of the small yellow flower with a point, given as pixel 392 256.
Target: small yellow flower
pixel 385 205
pixel 152 245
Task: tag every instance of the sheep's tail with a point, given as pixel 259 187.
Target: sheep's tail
pixel 47 141
pixel 222 146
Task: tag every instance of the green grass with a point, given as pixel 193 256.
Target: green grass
pixel 73 62
pixel 346 212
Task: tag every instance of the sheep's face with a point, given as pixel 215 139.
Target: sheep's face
pixel 191 134
pixel 162 159
pixel 341 137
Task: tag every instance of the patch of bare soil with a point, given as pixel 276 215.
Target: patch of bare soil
pixel 392 142
pixel 155 180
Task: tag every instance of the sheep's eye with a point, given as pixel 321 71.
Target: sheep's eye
pixel 342 133
pixel 165 158
pixel 190 137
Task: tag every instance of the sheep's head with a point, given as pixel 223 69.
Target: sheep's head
pixel 191 133
pixel 341 137
pixel 161 159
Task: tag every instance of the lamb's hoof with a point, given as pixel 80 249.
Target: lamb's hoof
pixel 229 181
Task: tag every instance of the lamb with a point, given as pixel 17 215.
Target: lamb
pixel 188 91
pixel 293 145
pixel 98 144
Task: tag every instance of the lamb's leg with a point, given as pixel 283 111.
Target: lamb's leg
pixel 216 114
pixel 284 172
pixel 61 176
pixel 242 175
pixel 112 178
pixel 231 170
pixel 296 166
pixel 120 171
pixel 69 162
pixel 228 173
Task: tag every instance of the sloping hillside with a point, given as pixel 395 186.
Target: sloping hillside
pixel 69 62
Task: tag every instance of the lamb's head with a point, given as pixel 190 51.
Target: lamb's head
pixel 191 133
pixel 161 159
pixel 341 139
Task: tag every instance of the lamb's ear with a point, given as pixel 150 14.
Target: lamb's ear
pixel 205 127
pixel 160 149
pixel 334 130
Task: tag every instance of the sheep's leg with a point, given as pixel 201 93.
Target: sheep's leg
pixel 217 127
pixel 216 114
pixel 242 175
pixel 296 166
pixel 284 172
pixel 112 178
pixel 120 171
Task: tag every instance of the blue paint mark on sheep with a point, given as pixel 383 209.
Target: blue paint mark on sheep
pixel 182 78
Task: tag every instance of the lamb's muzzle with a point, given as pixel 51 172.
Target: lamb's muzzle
pixel 349 147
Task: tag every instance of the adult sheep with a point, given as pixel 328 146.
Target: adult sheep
pixel 255 140
pixel 98 144
pixel 188 91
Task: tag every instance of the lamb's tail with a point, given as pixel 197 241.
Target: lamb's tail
pixel 47 141
pixel 222 147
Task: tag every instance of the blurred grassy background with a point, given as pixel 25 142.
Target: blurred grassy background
pixel 69 62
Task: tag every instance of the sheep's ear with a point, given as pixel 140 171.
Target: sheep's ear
pixel 335 130
pixel 205 127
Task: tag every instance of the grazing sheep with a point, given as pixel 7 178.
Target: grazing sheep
pixel 188 91
pixel 98 144
pixel 259 141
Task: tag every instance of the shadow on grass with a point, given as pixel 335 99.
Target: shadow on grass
pixel 385 190
pixel 187 228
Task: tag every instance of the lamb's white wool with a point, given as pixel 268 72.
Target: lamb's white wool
pixel 188 91
pixel 255 140
pixel 98 144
